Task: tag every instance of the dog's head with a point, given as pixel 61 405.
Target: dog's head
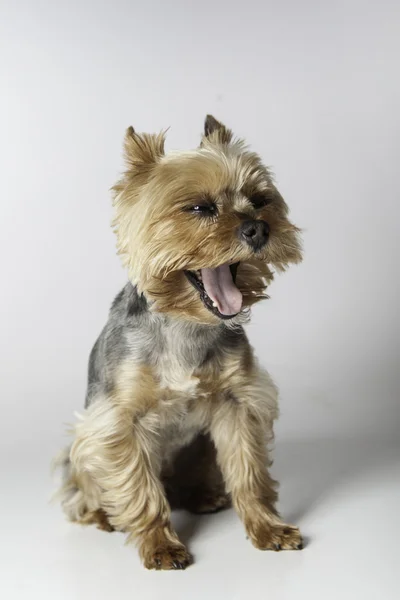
pixel 199 229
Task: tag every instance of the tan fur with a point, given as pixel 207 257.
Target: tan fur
pixel 118 446
pixel 130 457
pixel 148 230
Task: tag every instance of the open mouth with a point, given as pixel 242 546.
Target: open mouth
pixel 217 289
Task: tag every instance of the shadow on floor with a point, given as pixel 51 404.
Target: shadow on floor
pixel 310 472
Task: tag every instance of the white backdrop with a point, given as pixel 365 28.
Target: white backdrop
pixel 313 87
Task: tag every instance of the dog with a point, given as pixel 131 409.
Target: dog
pixel 178 411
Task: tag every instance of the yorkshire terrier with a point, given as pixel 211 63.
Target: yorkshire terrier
pixel 178 412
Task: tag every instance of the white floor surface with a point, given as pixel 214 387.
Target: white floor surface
pixel 345 495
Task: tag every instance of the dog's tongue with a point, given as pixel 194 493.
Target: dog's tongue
pixel 220 287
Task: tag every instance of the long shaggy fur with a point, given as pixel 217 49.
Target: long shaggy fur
pixel 178 412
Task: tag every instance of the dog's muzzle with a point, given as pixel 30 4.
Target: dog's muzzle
pixel 254 233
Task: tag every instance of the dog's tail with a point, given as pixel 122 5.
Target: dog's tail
pixel 76 493
pixel 68 493
pixel 61 472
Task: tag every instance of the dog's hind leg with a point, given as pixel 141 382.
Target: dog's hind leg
pixel 196 482
pixel 79 496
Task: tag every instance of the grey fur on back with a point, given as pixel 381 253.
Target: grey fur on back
pixel 134 332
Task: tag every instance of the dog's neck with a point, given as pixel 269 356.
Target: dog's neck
pixel 186 342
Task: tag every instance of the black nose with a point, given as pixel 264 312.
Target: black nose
pixel 255 233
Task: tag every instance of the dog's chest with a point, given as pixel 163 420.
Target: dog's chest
pixel 179 365
pixel 175 375
pixel 184 407
pixel 181 422
pixel 185 365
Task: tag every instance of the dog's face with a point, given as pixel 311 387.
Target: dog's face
pixel 199 229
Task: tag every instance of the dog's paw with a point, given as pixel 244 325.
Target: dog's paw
pixel 168 556
pixel 277 537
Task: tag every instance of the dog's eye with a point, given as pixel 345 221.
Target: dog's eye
pixel 206 210
pixel 259 200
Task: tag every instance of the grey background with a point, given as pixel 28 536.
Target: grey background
pixel 314 88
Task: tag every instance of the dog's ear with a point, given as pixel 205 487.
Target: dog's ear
pixel 216 132
pixel 144 149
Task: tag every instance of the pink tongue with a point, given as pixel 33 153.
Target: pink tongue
pixel 219 286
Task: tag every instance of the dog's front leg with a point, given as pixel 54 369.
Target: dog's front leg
pixel 241 427
pixel 120 454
